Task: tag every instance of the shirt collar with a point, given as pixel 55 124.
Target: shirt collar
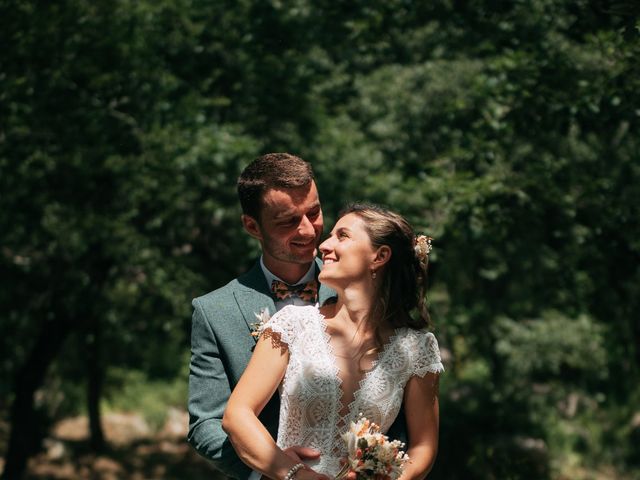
pixel 307 277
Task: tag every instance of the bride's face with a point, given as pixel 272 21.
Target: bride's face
pixel 348 254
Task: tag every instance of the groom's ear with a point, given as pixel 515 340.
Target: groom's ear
pixel 251 226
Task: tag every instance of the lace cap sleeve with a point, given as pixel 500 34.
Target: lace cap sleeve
pixel 282 323
pixel 427 354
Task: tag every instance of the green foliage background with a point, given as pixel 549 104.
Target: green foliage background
pixel 506 130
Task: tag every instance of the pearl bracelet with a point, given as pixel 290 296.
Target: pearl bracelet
pixel 292 471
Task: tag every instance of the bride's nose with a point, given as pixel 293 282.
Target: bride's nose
pixel 325 247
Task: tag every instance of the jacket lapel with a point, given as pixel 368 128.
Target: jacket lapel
pixel 253 295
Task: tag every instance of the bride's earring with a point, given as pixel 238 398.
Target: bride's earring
pixel 373 274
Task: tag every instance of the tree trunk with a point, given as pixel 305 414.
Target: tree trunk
pixel 26 432
pixel 95 372
pixel 636 343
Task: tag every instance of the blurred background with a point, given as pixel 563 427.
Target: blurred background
pixel 506 130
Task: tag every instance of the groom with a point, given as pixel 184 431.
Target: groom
pixel 281 209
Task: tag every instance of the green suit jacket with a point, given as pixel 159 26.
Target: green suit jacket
pixel 221 345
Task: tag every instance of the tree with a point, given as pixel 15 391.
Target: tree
pixel 507 131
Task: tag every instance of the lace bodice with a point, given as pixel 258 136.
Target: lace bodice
pixel 311 392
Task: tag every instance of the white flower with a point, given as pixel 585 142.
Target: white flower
pixel 263 318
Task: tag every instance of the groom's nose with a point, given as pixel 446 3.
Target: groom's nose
pixel 306 227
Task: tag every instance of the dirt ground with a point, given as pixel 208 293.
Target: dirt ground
pixel 133 452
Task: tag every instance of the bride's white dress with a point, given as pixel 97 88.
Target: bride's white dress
pixel 311 392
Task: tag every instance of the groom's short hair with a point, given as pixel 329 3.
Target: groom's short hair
pixel 273 170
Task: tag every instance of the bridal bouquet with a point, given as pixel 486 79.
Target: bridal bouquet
pixel 370 454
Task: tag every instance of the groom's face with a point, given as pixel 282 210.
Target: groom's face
pixel 289 227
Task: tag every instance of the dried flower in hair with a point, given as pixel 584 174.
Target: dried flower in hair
pixel 423 248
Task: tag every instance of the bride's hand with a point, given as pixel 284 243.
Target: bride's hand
pixel 302 454
pixel 349 475
pixel 305 474
pixel 309 474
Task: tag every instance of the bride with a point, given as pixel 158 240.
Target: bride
pixel 366 353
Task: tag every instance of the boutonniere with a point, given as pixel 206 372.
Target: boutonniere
pixel 263 317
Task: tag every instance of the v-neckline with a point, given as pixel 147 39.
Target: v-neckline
pixel 343 420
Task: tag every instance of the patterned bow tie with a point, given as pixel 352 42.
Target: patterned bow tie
pixel 306 291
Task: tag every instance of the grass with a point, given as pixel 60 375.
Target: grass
pixel 133 391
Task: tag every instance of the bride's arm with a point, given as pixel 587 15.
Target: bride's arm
pixel 251 440
pixel 423 421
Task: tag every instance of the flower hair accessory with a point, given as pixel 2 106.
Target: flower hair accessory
pixel 423 248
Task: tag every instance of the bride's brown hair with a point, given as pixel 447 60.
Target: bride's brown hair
pixel 402 285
